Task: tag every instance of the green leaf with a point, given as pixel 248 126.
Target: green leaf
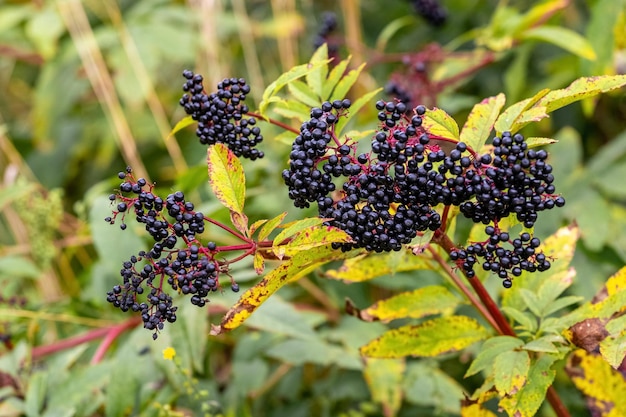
pixel 354 109
pixel 612 181
pixel 431 338
pixel 291 109
pixel 531 301
pixel 372 265
pixel 426 385
pixel 439 123
pixel 580 89
pixel 534 142
pixel 182 123
pixel 315 78
pixel 391 29
pixel 15 266
pixel 345 84
pixel 36 393
pixel 490 349
pixel 507 121
pixel 303 93
pixel 563 38
pixel 526 320
pixel 335 75
pixel 480 121
pixel 537 14
pixel 271 225
pixel 296 267
pixel 543 344
pixel 526 401
pixel 384 379
pixel 613 349
pixel 419 303
pixel 284 79
pixel 510 370
pixel 226 177
pixel 299 352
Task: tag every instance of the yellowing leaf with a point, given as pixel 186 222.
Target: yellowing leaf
pixel 226 177
pixel 315 78
pixel 297 226
pixel 310 238
pixel 438 122
pixel 563 38
pixel 269 227
pixel 475 410
pixel 507 121
pixel 369 266
pixel 335 75
pixel 183 123
pixel 580 89
pixel 613 349
pixel 294 268
pixel 480 121
pixel 534 142
pixel 303 93
pixel 510 370
pixel 526 401
pixel 419 303
pixel 258 263
pixel 254 226
pixel 431 338
pixel 617 282
pixel 384 379
pixel 345 83
pixel 603 386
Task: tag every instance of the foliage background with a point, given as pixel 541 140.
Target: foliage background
pixel 89 87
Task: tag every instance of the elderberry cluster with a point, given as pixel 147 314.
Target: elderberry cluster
pixel 189 270
pixel 389 194
pixel 325 30
pixel 221 115
pixel 431 10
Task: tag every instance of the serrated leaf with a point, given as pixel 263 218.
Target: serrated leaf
pixel 226 177
pixel 613 349
pixel 284 79
pixel 580 89
pixel 271 225
pixel 345 83
pixel 541 345
pixel 563 38
pixel 531 301
pixel 384 379
pixel 310 238
pixel 354 109
pixel 507 120
pixel 603 386
pixel 315 78
pixel 294 268
pixel 480 122
pixel 431 338
pixel 534 142
pixel 370 265
pixel 303 93
pixel 439 123
pixel 510 370
pixel 490 349
pixel 336 73
pixel 290 229
pixel 182 123
pixel 526 320
pixel 529 398
pixel 291 109
pixel 425 301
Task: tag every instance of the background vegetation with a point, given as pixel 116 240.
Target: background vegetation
pixel 89 87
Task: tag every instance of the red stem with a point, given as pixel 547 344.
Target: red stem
pixel 503 326
pixel 227 229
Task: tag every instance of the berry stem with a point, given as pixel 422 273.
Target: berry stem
pixel 227 229
pixel 501 324
pixel 274 122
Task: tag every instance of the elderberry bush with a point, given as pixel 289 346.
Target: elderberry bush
pixel 386 196
pixel 221 115
pixel 177 261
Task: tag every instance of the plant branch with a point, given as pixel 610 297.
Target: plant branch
pixel 274 122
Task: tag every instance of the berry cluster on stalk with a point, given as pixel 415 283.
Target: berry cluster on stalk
pixel 177 259
pixel 325 32
pixel 390 194
pixel 431 10
pixel 221 115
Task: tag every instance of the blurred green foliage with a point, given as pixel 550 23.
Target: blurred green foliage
pixel 89 87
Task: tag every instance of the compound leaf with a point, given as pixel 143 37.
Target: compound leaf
pixel 312 237
pixel 490 349
pixel 580 89
pixel 271 225
pixel 510 370
pixel 507 121
pixel 527 400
